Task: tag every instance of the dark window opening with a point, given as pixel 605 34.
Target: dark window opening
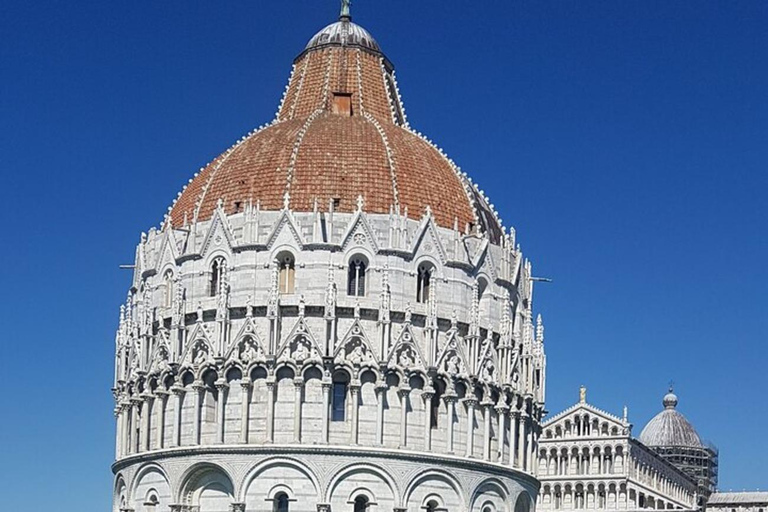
pixel 281 503
pixel 361 504
pixel 342 104
pixel 356 278
pixel 423 282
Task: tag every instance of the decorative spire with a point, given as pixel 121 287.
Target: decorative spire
pixel 345 14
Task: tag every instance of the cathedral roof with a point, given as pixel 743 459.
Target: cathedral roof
pixel 340 132
pixel 670 428
pixel 745 497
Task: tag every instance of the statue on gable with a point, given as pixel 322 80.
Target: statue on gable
pixel 301 351
pixel 406 358
pixel 453 365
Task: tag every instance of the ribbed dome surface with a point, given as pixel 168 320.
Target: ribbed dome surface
pixel 344 32
pixel 670 427
pixel 340 133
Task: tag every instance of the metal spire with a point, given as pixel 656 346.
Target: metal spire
pixel 345 14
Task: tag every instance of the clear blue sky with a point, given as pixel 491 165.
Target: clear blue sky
pixel 626 141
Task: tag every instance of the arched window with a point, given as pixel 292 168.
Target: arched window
pixel 281 503
pixel 151 504
pixel 216 271
pixel 424 281
pixel 356 277
pixel 361 504
pixel 339 398
pixel 287 280
pixel 431 506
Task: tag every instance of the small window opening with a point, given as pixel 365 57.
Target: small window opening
pixel 336 202
pixel 431 506
pixel 281 503
pixel 216 269
pixel 339 398
pixel 361 504
pixel 168 280
pixel 287 274
pixel 342 104
pixel 423 282
pixel 356 278
pixel 238 204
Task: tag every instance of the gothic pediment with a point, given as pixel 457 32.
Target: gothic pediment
pixel 580 409
pixel 355 348
pixel 168 250
pixel 248 346
pixel 488 367
pixel 452 360
pixel 219 234
pixel 300 344
pixel 405 353
pixel 426 241
pixel 285 232
pixel 200 349
pixel 359 233
pixel 160 358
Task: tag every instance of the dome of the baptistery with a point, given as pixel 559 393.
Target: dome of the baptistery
pixel 344 32
pixel 340 133
pixel 670 428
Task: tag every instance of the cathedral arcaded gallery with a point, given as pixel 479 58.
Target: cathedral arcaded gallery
pixel 330 318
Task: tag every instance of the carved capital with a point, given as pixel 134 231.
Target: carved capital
pixel 237 507
pixel 470 401
pixel 323 507
pixel 246 384
pixel 404 391
pixel 298 382
pixel 450 398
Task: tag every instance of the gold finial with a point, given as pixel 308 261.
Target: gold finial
pixel 583 395
pixel 345 5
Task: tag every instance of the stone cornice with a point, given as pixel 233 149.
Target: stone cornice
pixel 350 451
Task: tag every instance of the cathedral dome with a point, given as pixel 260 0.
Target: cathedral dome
pixel 340 133
pixel 670 427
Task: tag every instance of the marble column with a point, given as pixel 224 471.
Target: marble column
pixel 502 409
pixel 221 406
pixel 198 388
pixel 470 403
pixel 403 393
pixel 178 392
pixel 521 426
pixel 327 386
pixel 298 386
pixel 487 405
pixel 354 396
pixel 427 395
pixel 381 395
pixel 146 412
pixel 450 399
pixel 245 408
pixel 271 383
pixel 162 403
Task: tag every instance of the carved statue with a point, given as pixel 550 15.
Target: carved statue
pixel 452 365
pixel 406 359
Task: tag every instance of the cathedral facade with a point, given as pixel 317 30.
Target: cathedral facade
pixel 588 459
pixel 331 317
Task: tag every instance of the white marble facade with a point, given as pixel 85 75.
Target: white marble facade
pixel 588 460
pixel 320 361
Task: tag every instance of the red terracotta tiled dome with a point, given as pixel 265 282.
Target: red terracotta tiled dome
pixel 340 132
